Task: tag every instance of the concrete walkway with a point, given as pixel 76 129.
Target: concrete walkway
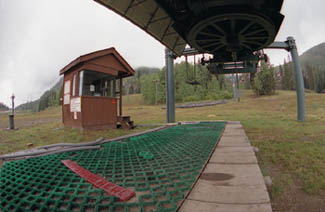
pixel 232 180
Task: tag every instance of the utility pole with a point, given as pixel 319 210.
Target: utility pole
pixel 156 91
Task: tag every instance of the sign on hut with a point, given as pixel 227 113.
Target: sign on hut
pixel 92 91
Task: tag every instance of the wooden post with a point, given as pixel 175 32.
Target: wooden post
pixel 121 85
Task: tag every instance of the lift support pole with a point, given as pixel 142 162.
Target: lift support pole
pixel 170 91
pixel 290 45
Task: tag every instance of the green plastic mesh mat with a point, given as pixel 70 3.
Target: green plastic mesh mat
pixel 159 166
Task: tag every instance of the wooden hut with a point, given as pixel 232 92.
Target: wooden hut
pixel 92 91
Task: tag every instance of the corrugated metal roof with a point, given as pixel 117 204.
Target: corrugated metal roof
pixel 150 17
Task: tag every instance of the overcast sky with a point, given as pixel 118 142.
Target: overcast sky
pixel 39 37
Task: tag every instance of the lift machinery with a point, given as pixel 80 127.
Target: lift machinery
pixel 230 30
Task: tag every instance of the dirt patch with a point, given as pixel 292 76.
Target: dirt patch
pixel 295 200
pixel 292 198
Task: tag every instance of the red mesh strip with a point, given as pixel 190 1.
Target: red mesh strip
pixel 99 182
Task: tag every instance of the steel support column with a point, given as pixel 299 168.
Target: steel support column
pixel 170 91
pixel 290 45
pixel 300 87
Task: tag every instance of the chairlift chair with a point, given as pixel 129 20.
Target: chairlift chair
pixel 192 80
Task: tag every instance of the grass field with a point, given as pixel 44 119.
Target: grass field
pixel 291 152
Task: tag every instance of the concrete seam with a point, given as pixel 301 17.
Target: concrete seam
pixel 253 203
pixel 233 163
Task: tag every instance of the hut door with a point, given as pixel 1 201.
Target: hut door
pixel 111 91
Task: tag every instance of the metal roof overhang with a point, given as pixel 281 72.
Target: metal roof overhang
pixel 151 18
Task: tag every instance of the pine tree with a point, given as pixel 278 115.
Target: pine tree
pixel 288 82
pixel 264 82
pixel 319 79
pixel 309 77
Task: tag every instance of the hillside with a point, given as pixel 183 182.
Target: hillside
pixel 3 107
pixel 49 98
pixel 313 67
pixel 314 56
pixel 52 97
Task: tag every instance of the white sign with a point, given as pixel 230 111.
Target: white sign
pixel 67 87
pixel 75 105
pixel 75 115
pixel 66 99
pixel 92 88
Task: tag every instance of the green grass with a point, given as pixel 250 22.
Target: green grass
pixel 296 149
pixel 271 124
pixel 46 128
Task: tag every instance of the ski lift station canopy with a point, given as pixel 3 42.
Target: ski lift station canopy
pixel 218 27
pixel 90 87
pixel 230 30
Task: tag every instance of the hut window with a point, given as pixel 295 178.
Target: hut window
pixel 74 85
pixel 96 84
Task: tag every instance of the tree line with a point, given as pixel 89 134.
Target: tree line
pixel 192 83
pixel 314 76
pixel 266 80
pixel 196 83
